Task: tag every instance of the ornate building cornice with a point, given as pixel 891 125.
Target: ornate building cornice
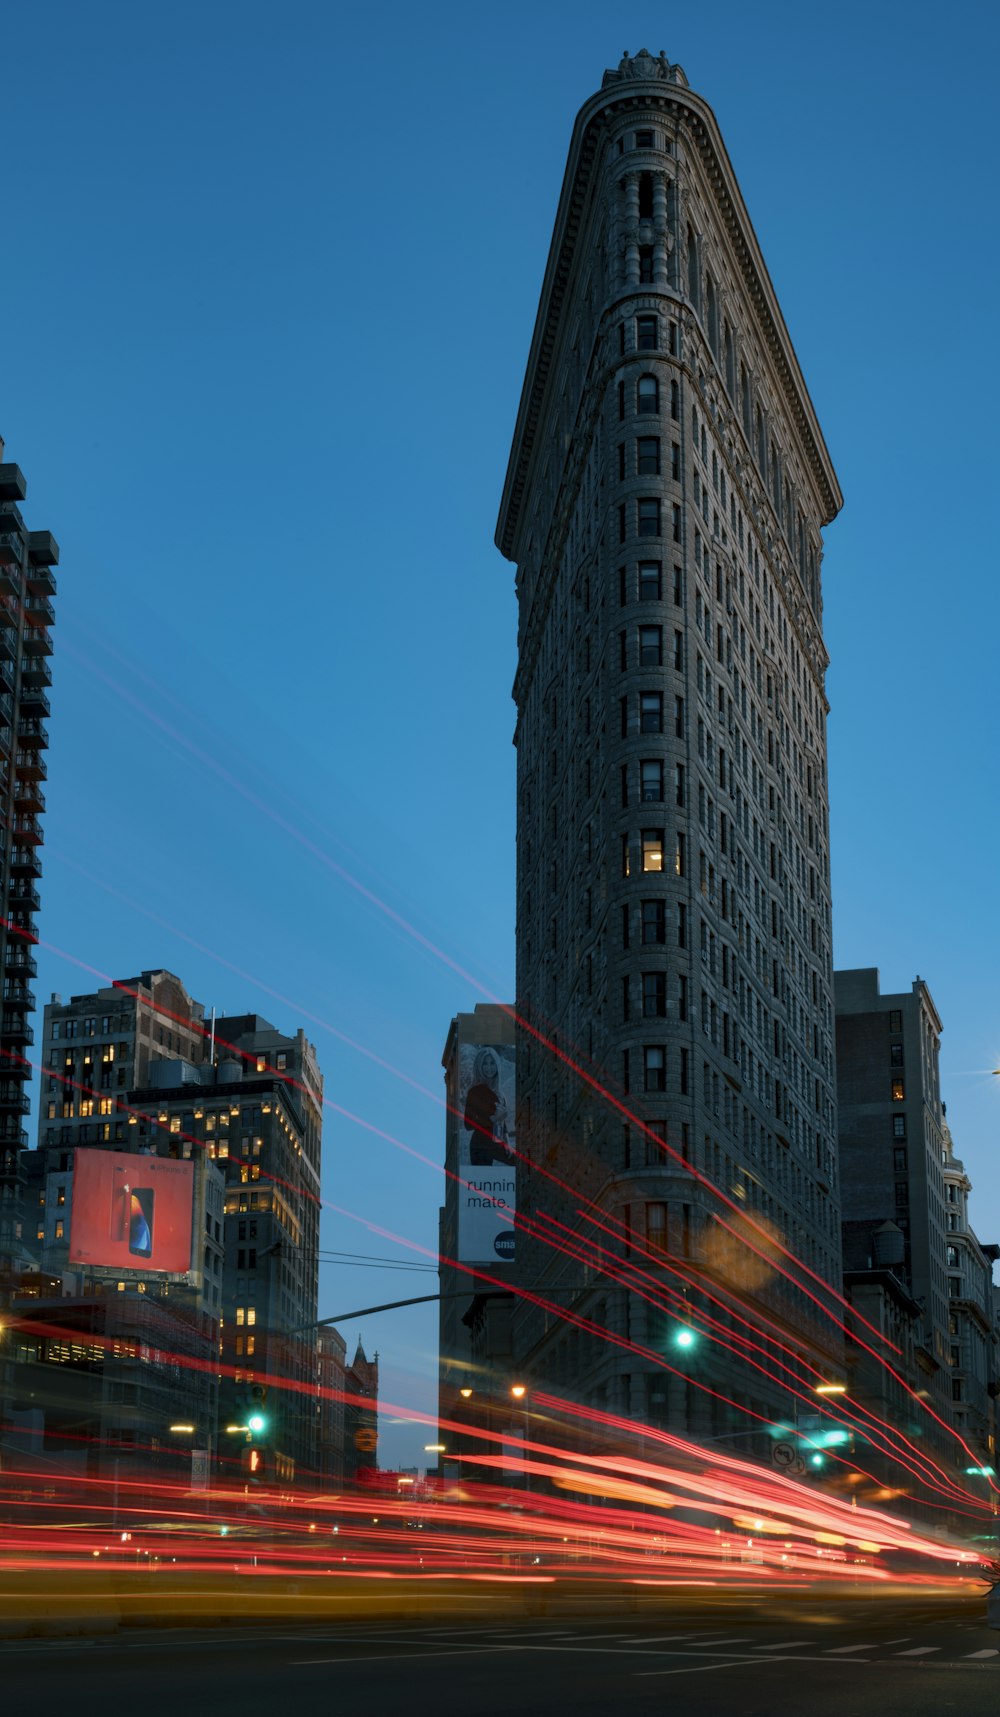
pixel 645 81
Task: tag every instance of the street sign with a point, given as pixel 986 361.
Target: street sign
pixel 784 1455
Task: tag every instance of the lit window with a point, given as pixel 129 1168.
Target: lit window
pixel 652 849
pixel 898 1091
pixel 106 1106
pixel 175 1123
pixel 60 1229
pixel 262 1064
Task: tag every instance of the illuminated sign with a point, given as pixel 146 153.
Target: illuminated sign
pixel 131 1212
pixel 486 1162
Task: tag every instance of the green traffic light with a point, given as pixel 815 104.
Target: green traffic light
pixel 256 1422
pixel 685 1338
pixel 817 1460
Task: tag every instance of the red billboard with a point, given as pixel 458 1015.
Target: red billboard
pixel 130 1212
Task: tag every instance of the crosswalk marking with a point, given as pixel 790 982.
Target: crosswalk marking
pixel 786 1645
pixel 919 1651
pixel 991 1651
pixel 842 1650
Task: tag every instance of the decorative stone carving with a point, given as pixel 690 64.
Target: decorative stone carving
pixel 646 68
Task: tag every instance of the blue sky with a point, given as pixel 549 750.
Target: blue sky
pixel 269 283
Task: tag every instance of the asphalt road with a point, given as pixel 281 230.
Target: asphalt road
pixel 807 1660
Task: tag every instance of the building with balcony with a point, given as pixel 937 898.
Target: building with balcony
pixel 664 504
pixel 27 585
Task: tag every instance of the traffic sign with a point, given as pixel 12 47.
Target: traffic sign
pixel 784 1454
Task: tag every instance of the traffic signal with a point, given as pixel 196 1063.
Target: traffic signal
pixel 254 1463
pixel 253 1409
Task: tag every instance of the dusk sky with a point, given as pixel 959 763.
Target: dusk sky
pixel 269 282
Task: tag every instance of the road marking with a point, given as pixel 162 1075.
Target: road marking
pixel 991 1651
pixel 919 1651
pixel 397 1657
pixel 703 1668
pixel 785 1645
pixel 842 1650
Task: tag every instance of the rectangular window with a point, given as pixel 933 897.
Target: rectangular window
pixel 682 996
pixel 654 1068
pixel 675 513
pixel 654 921
pixel 954 1287
pixel 650 646
pixel 899 1157
pixel 647 456
pixel 896 1020
pixel 650 581
pixel 650 712
pixel 622 532
pixel 652 849
pixel 648 516
pixel 896 1054
pixel 60 1229
pixel 654 995
pixel 621 461
pixel 899 1126
pixel 898 1091
pixel 651 780
pixel 902 1194
pixel 680 858
pixel 656 1227
pixel 645 326
pixel 952 1257
pixel 679 717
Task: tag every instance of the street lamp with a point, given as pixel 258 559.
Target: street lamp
pixel 830 1389
pixel 518 1391
pixel 465 1394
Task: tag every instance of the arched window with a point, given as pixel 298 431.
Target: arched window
pixel 730 363
pixel 647 394
pixel 692 250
